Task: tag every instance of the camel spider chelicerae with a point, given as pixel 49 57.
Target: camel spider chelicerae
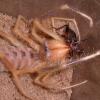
pixel 47 49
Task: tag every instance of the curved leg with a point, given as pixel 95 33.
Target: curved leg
pixel 36 36
pixel 43 76
pixel 10 38
pixel 45 31
pixel 39 82
pixel 33 69
pixel 50 73
pixel 66 19
pixel 19 86
pixel 21 21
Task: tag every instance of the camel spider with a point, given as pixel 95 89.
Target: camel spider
pixel 51 51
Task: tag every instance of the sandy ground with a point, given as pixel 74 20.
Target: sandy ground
pixel 8 89
pixel 89 70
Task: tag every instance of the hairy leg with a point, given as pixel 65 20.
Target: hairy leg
pixel 52 72
pixel 36 36
pixel 11 39
pixel 39 82
pixel 24 36
pixel 38 25
pixel 31 70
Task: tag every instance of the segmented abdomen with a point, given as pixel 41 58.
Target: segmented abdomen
pixel 20 57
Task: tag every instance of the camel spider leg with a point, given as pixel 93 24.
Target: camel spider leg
pixel 10 38
pixel 66 19
pixel 36 36
pixel 23 36
pixel 38 80
pixel 41 74
pixel 18 84
pixel 57 69
pixel 32 69
pixel 38 70
pixel 45 31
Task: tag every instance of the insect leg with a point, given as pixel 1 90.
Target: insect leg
pixel 66 19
